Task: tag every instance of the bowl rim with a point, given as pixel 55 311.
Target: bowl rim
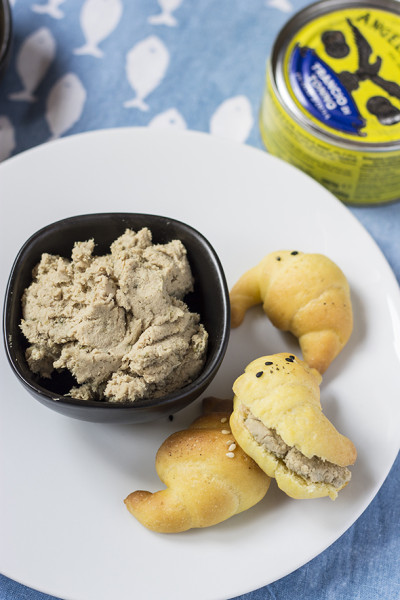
pixel 200 382
pixel 5 33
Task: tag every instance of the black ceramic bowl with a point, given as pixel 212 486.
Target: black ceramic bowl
pixel 5 34
pixel 210 299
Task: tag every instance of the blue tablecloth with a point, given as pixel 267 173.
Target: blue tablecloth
pixel 77 65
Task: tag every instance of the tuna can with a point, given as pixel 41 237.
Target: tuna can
pixel 332 101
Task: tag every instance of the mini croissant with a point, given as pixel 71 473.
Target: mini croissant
pixel 208 477
pixel 278 421
pixel 306 294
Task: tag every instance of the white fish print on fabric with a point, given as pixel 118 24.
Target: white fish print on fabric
pixel 33 60
pixel 170 119
pixel 52 8
pixel 98 20
pixel 165 17
pixel 64 104
pixel 282 5
pixel 146 65
pixel 7 138
pixel 233 119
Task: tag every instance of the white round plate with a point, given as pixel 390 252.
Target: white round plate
pixel 64 527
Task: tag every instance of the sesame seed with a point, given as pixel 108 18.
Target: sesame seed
pixel 232 447
pixel 259 374
pixel 269 362
pixel 230 455
pixel 294 253
pixel 224 420
pixel 226 431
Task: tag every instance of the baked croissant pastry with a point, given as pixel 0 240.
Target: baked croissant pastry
pixel 208 477
pixel 278 421
pixel 306 294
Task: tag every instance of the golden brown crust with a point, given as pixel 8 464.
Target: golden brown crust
pixel 284 396
pixel 306 294
pixel 205 483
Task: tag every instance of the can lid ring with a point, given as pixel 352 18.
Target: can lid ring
pixel 277 77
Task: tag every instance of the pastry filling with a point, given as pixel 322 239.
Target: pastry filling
pixel 313 469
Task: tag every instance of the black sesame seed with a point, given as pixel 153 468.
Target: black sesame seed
pixel 289 359
pixel 259 373
pixel 294 253
pixel 278 258
pixel 292 357
pixel 269 362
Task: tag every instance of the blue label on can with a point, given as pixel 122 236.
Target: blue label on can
pixel 319 90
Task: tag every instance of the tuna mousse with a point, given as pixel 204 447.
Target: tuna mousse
pixel 117 322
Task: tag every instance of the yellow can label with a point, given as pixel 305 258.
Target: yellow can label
pixel 333 108
pixel 342 71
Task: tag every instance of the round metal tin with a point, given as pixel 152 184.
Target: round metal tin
pixel 332 101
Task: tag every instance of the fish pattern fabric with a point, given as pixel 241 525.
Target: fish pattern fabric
pixel 80 65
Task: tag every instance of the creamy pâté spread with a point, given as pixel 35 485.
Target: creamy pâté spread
pixel 117 322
